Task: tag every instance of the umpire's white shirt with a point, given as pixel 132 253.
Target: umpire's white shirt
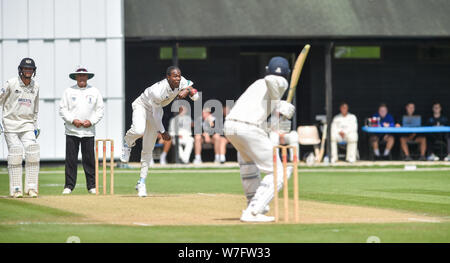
pixel 82 104
pixel 159 95
pixel 259 100
pixel 20 105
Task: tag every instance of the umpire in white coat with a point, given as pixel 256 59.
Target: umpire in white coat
pixel 81 108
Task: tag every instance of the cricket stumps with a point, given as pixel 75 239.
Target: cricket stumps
pixel 285 182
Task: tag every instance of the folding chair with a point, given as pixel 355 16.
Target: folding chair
pixel 309 135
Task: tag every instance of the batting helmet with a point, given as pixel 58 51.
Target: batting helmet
pixel 27 63
pixel 278 66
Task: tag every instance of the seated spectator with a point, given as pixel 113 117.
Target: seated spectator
pixel 223 141
pixel 207 136
pixel 437 119
pixel 386 120
pixel 344 128
pixel 410 108
pixel 183 124
pixel 166 148
pixel 281 133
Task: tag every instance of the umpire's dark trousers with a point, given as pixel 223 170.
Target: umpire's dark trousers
pixel 88 159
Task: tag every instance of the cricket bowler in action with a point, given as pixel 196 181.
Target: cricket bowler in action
pixel 246 128
pixel 19 99
pixel 147 118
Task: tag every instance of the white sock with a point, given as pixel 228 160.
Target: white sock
pixel 163 156
pixel 386 152
pixel 198 157
pixel 222 158
pixel 377 152
pixel 216 158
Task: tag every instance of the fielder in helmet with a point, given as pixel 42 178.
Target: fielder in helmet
pixel 19 99
pixel 27 66
pixel 245 127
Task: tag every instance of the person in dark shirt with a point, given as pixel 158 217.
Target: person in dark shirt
pixel 437 119
pixel 420 139
pixel 386 120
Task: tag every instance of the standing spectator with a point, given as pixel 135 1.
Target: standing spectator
pixel 81 108
pixel 437 119
pixel 207 136
pixel 19 98
pixel 344 128
pixel 386 120
pixel 184 134
pixel 410 108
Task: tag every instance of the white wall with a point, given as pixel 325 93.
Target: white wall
pixel 59 35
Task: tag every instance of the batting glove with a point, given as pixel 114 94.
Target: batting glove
pixel 286 109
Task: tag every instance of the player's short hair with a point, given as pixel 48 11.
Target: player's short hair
pixel 170 69
pixel 436 102
pixel 343 103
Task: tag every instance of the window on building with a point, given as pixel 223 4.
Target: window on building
pixel 434 53
pixel 183 53
pixel 357 52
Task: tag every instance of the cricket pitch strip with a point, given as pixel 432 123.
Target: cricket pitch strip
pixel 206 209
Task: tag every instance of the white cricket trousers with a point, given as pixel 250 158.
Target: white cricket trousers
pixel 352 146
pixel 20 139
pixel 143 126
pixel 187 142
pixel 253 145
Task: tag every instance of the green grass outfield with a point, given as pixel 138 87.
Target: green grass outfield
pixel 424 192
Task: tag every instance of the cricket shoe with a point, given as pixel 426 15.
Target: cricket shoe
pixel 92 191
pixel 197 161
pixel 447 158
pixel 66 191
pixel 142 189
pixel 249 217
pixel 32 193
pixel 17 194
pixel 126 151
pixel 432 157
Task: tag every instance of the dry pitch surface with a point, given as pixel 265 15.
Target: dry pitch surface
pixel 207 209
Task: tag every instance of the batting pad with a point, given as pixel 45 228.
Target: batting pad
pixel 250 178
pixel 264 193
pixel 15 156
pixel 32 158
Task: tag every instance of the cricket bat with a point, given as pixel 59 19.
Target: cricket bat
pixel 297 71
pixel 322 144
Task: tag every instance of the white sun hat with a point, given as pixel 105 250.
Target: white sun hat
pixel 81 70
